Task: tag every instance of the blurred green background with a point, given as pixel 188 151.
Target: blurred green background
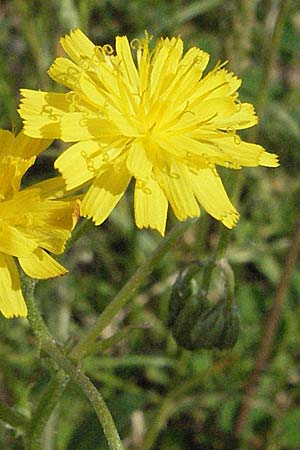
pixel 163 397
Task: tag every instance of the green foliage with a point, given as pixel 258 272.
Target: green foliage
pixel 163 397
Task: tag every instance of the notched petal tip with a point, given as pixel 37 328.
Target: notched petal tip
pixel 20 314
pixel 269 160
pixel 161 231
pixel 230 219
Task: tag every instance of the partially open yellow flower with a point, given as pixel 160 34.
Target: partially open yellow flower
pixel 31 223
pixel 154 118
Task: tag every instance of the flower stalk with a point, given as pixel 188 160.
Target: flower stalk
pixel 44 409
pixel 58 383
pixel 127 291
pixel 49 345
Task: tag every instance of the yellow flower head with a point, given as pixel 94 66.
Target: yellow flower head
pixel 30 222
pixel 155 118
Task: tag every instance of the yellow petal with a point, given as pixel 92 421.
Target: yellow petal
pixel 12 303
pixel 245 153
pixel 51 188
pixel 243 117
pixel 217 83
pixel 166 57
pixel 127 65
pixel 218 109
pixel 107 76
pixel 188 74
pixel 12 168
pixel 78 46
pixel 20 204
pixel 179 191
pixel 143 62
pixel 65 72
pixel 138 162
pixel 36 222
pixel 78 126
pixel 195 59
pixel 26 147
pixel 52 222
pixel 40 265
pixel 268 160
pixel 105 193
pixel 216 112
pixel 86 156
pixel 42 113
pixel 40 102
pixel 14 242
pixel 226 150
pixel 54 213
pixel 7 140
pixel 93 95
pixel 210 193
pixel 150 206
pixel 74 77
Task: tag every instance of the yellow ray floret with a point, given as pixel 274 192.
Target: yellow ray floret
pixel 147 114
pixel 32 221
pixel 12 303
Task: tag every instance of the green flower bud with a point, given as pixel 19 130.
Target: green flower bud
pixel 185 287
pixel 217 328
pixel 196 324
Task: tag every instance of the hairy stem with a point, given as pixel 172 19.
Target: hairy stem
pixel 44 409
pixel 49 345
pixel 57 384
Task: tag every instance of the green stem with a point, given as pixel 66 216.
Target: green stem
pixel 56 353
pixel 101 346
pixel 169 405
pixel 90 391
pixel 229 281
pixel 12 418
pixel 56 386
pixel 80 229
pixel 44 409
pixel 165 411
pixel 174 397
pixel 224 235
pixel 125 294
